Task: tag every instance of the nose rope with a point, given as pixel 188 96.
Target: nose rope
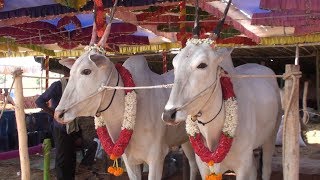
pixel 113 95
pixel 201 93
pixel 92 95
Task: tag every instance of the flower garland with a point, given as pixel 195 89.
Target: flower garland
pixel 115 150
pixel 226 137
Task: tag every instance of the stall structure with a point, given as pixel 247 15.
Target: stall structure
pixel 273 33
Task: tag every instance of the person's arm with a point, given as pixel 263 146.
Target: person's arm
pixel 43 99
pixel 10 100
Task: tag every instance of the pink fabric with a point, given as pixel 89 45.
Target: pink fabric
pixel 304 30
pixel 284 18
pixel 305 5
pixel 15 153
pixel 215 12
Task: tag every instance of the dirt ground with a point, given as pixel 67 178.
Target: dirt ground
pixel 309 163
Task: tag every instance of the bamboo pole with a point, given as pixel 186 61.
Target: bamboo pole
pixel 290 148
pixel 21 126
pixel 46 160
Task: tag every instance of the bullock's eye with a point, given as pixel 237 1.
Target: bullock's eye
pixel 86 72
pixel 202 66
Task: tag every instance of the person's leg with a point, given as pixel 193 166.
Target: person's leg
pixel 89 156
pixel 65 155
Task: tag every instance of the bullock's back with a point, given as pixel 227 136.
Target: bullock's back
pixel 259 101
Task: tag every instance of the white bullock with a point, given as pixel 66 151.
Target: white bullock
pixel 151 137
pixel 196 72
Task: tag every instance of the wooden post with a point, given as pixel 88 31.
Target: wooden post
pixel 21 126
pixel 290 148
pixel 46 64
pixel 317 80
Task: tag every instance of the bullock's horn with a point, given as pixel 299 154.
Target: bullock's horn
pixel 216 31
pixel 106 33
pixel 94 34
pixel 196 27
pixel 94 28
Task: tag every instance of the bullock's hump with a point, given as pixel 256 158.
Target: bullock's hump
pixel 136 64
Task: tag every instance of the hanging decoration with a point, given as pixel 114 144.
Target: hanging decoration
pixel 227 134
pixel 76 4
pixel 1 4
pixel 100 17
pixel 115 150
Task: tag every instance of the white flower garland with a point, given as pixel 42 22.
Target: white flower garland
pixel 230 123
pixel 196 41
pixel 96 48
pixel 129 116
pixel 231 120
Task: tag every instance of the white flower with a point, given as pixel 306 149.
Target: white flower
pixel 99 122
pixel 130 110
pixel 196 41
pixel 230 122
pixel 96 48
pixel 129 116
pixel 191 126
pixel 231 119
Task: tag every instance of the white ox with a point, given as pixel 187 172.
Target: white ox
pixel 259 106
pixel 151 137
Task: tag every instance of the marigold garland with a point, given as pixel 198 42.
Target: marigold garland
pixel 115 150
pixel 227 134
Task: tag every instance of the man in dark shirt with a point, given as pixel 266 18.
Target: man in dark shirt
pixel 66 144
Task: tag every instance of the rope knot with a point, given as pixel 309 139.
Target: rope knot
pixel 291 75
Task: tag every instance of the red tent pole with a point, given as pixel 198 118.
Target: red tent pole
pixel 182 19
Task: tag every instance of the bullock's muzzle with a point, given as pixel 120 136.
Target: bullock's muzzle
pixel 169 116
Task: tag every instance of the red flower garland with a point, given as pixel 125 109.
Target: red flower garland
pixel 115 150
pixel 225 141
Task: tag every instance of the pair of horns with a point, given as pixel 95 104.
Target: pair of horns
pixel 217 30
pixel 106 33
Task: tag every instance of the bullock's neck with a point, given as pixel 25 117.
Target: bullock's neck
pixel 114 114
pixel 211 131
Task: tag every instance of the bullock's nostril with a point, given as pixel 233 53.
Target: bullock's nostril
pixel 173 115
pixel 62 114
pixel 169 115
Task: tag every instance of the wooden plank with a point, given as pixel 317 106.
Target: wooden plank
pixel 290 153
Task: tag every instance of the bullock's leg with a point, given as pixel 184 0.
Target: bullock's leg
pixel 133 170
pixel 188 151
pixel 267 151
pixel 203 168
pixel 156 163
pixel 247 170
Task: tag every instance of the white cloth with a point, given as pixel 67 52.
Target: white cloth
pixel 279 135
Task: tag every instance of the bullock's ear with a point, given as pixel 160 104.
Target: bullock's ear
pixel 68 62
pixel 99 60
pixel 222 53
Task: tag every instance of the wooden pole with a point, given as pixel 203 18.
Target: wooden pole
pixel 304 105
pixel 46 64
pixel 290 148
pixel 182 18
pixel 164 62
pixel 317 80
pixel 21 126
